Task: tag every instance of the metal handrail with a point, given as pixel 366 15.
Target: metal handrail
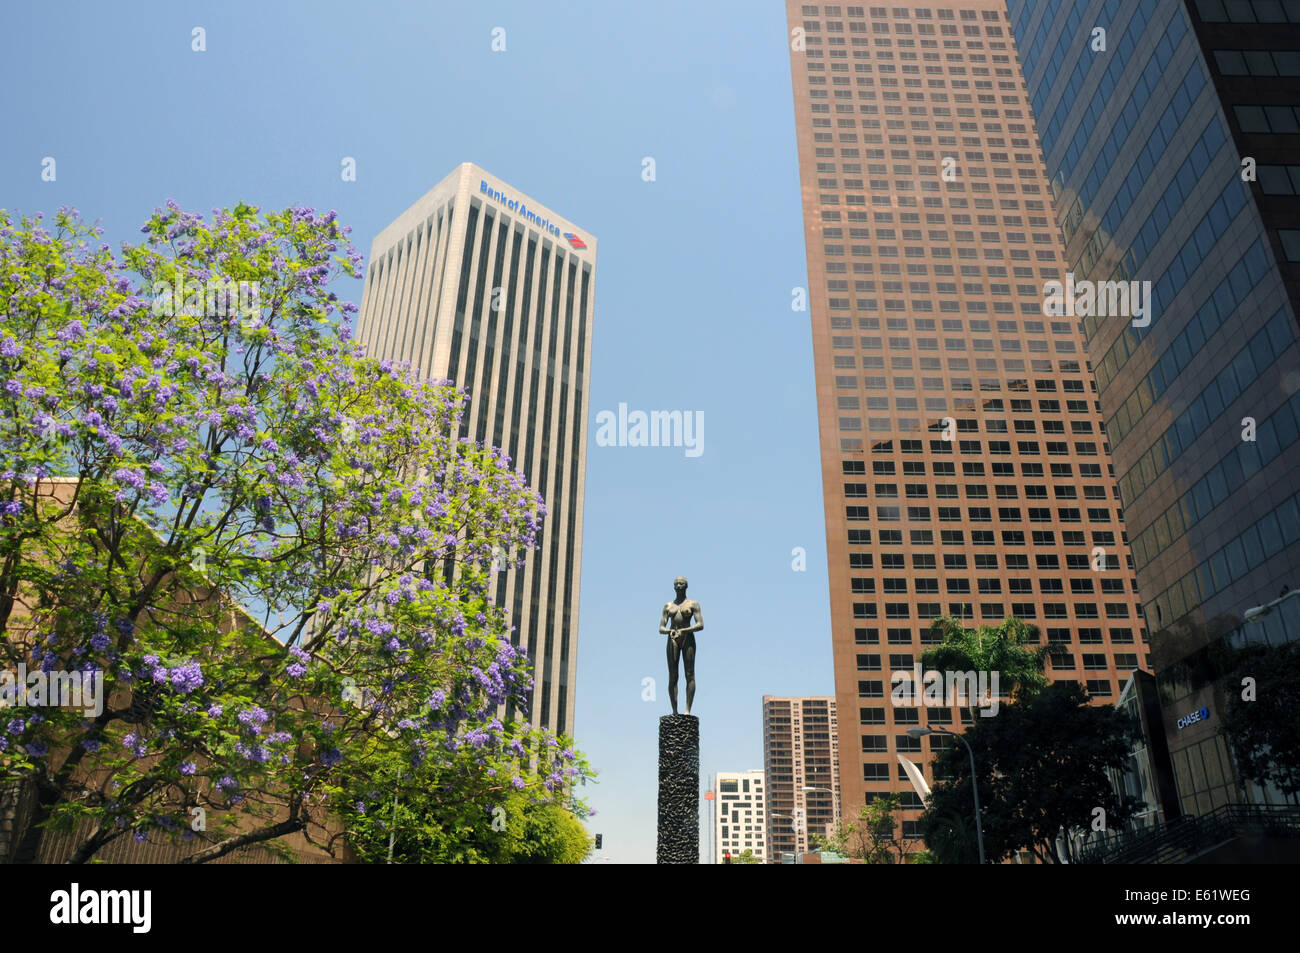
pixel 1183 836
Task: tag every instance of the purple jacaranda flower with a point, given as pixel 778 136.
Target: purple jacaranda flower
pixel 188 768
pixel 254 717
pixel 186 678
pixel 132 478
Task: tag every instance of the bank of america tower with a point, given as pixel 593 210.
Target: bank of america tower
pixel 478 283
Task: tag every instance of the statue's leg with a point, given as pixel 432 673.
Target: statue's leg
pixel 673 653
pixel 688 658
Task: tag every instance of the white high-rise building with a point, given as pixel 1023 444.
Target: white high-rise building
pixel 739 814
pixel 478 283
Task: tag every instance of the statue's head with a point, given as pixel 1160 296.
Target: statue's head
pixel 679 584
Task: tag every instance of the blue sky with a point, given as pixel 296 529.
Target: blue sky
pixel 693 284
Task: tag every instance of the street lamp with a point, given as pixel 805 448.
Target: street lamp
pixel 974 780
pixel 1258 612
pixel 794 828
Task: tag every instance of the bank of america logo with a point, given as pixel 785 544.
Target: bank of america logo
pixel 574 240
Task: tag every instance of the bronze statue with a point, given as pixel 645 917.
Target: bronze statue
pixel 681 640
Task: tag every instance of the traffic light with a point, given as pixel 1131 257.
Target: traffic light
pixel 599 839
pixel 726 856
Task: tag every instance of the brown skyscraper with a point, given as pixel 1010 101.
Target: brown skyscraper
pixel 965 467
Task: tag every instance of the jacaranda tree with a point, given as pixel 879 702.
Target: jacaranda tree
pixel 276 550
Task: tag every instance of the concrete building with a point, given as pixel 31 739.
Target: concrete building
pixel 1173 157
pixel 966 465
pixel 478 283
pixel 740 811
pixel 801 760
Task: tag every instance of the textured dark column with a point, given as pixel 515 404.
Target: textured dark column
pixel 679 790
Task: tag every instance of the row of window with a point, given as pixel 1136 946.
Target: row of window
pixel 978 514
pixel 980 537
pixel 1062 661
pixel 837 44
pixel 896 585
pixel 1008 345
pixel 928 106
pixel 926 185
pixel 990 610
pixel 1014 561
pixel 1079 562
pixel 1059 471
pixel 1249 11
pixel 933 218
pixel 992 424
pixel 1258 62
pixel 1055 636
pixel 869 688
pixel 1017 384
pixel 1002 448
pixel 974 491
pixel 899 13
pixel 914 234
pixel 1280 179
pixel 1283 120
pixel 952 201
pixel 952 325
pixel 866 86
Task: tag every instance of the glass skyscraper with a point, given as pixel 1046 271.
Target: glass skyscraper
pixel 1171 132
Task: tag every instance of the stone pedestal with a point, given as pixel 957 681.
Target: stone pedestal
pixel 679 790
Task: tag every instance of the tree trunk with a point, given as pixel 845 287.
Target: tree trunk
pixel 221 848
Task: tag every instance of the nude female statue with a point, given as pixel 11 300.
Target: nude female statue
pixel 681 640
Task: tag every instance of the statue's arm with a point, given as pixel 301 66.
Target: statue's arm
pixel 699 619
pixel 663 623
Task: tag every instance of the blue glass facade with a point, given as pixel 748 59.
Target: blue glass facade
pixel 1148 146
